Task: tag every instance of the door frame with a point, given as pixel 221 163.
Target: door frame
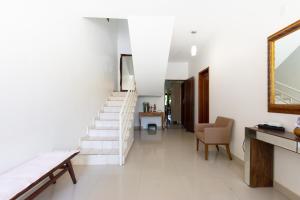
pixel 200 94
pixel 189 103
pixel 121 69
pixel 181 106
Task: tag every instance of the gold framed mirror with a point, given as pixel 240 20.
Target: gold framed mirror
pixel 284 70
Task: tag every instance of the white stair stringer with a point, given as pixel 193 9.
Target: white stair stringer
pixel 101 145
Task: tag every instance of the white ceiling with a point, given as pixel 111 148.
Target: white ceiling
pixel 212 19
pixel 208 17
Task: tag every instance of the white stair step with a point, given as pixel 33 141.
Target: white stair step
pixel 107 116
pixel 103 132
pixel 114 103
pixel 100 138
pixel 115 109
pixel 91 151
pixel 96 159
pixel 119 94
pixel 116 98
pixel 106 123
pixel 99 144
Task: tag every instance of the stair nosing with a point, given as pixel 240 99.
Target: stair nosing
pixel 104 128
pixel 100 138
pixel 82 152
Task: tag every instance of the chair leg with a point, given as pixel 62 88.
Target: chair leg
pixel 228 151
pixel 197 144
pixel 217 146
pixel 206 151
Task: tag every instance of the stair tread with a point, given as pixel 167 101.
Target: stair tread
pixel 116 100
pixel 100 138
pixel 113 120
pixel 99 151
pixel 105 128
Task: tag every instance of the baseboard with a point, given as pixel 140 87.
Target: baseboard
pixel 285 191
pixel 235 159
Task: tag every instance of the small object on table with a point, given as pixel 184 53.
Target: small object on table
pixel 152 128
pixel 270 127
pixel 297 132
pixel 297 129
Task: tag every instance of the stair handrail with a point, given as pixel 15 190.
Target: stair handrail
pixel 126 113
pixel 286 94
pixel 287 86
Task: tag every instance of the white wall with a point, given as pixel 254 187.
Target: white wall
pixel 159 101
pixel 285 46
pixel 123 37
pixel 123 43
pixel 237 57
pixel 150 38
pixel 177 71
pixel 56 70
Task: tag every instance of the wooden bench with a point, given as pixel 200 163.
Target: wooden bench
pixel 36 175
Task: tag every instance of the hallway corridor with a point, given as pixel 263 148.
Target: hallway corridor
pixel 163 166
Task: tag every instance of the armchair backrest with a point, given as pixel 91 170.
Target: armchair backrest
pixel 225 122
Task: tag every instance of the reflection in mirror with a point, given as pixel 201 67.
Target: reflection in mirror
pixel 126 71
pixel 287 69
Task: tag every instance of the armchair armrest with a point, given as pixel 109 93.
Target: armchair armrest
pixel 216 135
pixel 202 126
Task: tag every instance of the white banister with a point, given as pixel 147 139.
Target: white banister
pixel 126 116
pixel 287 86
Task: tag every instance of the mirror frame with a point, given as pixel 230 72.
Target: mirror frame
pixel 272 107
pixel 121 70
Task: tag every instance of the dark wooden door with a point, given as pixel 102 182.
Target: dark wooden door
pixel 188 104
pixel 203 91
pixel 182 105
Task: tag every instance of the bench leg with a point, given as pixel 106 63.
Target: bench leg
pixel 71 171
pixel 197 144
pixel 51 176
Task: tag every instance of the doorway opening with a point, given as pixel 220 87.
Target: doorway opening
pixel 203 96
pixel 173 100
pixel 126 71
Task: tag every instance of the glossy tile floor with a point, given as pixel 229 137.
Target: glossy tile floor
pixel 164 166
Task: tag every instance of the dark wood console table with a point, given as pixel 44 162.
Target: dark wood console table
pixel 152 114
pixel 259 154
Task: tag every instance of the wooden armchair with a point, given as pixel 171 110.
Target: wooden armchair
pixel 218 133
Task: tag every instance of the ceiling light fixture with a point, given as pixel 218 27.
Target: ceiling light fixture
pixel 194 47
pixel 194 50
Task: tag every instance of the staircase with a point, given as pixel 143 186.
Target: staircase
pixel 285 94
pixel 111 136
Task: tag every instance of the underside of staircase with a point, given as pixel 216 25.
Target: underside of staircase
pixel 101 145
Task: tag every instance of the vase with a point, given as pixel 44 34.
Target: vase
pixel 297 131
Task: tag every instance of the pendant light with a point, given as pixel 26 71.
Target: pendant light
pixel 194 47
